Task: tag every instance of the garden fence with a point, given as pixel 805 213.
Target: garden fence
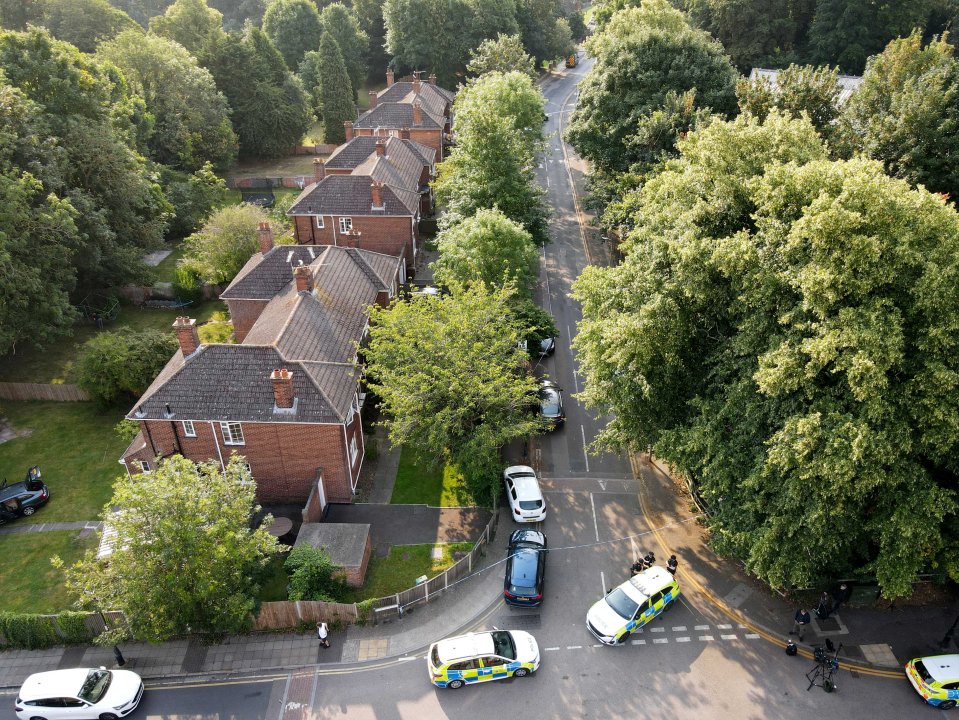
pixel 19 392
pixel 289 614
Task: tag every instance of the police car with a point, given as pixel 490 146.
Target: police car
pixel 632 605
pixel 936 678
pixel 480 657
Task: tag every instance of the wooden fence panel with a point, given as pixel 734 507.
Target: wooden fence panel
pixel 19 392
pixel 288 614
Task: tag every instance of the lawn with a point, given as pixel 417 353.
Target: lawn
pixel 30 583
pixel 420 482
pixel 398 571
pixel 55 364
pixel 275 580
pixel 77 451
pixel 290 166
pixel 167 267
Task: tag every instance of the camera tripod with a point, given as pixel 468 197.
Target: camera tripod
pixel 826 666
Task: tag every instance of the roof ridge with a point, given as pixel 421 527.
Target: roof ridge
pixel 357 257
pixel 319 389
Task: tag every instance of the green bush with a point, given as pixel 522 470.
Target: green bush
pixel 187 283
pixel 364 609
pixel 73 627
pixel 32 632
pixel 116 367
pixel 313 576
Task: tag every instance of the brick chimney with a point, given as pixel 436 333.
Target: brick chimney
pixel 187 335
pixel 304 278
pixel 266 237
pixel 432 79
pixel 380 147
pixel 372 99
pixel 417 113
pixel 348 129
pixel 377 195
pixel 404 133
pixel 389 77
pixel 282 380
pixel 416 82
pixel 319 169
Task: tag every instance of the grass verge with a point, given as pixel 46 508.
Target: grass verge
pixel 398 570
pixel 166 270
pixel 30 583
pixel 77 451
pixel 420 482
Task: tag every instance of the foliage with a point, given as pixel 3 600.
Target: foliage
pixel 309 75
pixel 17 14
pixel 193 197
pixel 85 23
pixel 72 627
pixel 313 576
pixel 271 112
pixel 127 429
pixel 642 56
pixel 335 91
pixel 783 330
pixel 117 367
pixel 187 281
pixel 294 28
pixel 487 248
pixel 184 555
pixel 369 16
pixel 504 54
pixel 193 24
pixel 906 112
pixel 539 324
pixel 236 13
pixel 452 381
pixel 352 41
pixel 225 242
pixel 545 32
pixel 32 632
pixel 191 117
pixel 577 25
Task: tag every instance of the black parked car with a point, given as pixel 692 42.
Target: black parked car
pixel 551 403
pixel 525 568
pixel 22 498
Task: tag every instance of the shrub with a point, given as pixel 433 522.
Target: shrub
pixel 32 632
pixel 116 367
pixel 187 283
pixel 313 576
pixel 73 627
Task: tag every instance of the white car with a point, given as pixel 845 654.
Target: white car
pixel 522 491
pixel 87 693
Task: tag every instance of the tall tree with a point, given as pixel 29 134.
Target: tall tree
pixel 546 34
pixel 784 329
pixel 191 117
pixel 294 28
pixel 487 248
pixel 226 241
pixel 85 23
pixel 185 559
pixel 432 35
pixel 352 41
pixel 452 378
pixel 369 15
pixel 309 75
pixel 492 18
pixel 193 24
pixel 642 55
pixel 906 113
pixel 236 13
pixel 504 54
pixel 17 14
pixel 335 91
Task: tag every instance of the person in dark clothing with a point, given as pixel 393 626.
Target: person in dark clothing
pixel 649 560
pixel 802 619
pixel 842 596
pixel 672 564
pixel 824 608
pixel 636 568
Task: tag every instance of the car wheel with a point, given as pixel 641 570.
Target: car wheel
pixel 29 511
pixel 521 672
pixel 109 716
pixel 455 684
pixel 623 639
pixel 947 704
pixel 37 717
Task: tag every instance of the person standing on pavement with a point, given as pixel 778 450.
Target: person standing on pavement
pixel 323 634
pixel 802 619
pixel 672 564
pixel 825 606
pixel 649 560
pixel 842 596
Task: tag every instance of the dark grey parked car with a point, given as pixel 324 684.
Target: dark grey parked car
pixel 551 403
pixel 22 498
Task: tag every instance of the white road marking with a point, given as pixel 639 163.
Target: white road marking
pixel 679 628
pixel 701 627
pixel 706 638
pixel 741 626
pixel 547 180
pixel 549 300
pixel 660 641
pixel 632 548
pixel 657 629
pixel 582 431
pixel 574 647
pixel 724 627
pixel 595 523
pixel 404 659
pixel 597 645
pixel 682 639
pixel 752 636
pixel 550 649
pixel 637 642
pixel 729 637
pixel 602 580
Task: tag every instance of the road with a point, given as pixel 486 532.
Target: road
pixel 691 663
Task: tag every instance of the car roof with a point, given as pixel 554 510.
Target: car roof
pixel 527 535
pixel 527 488
pixel 647 583
pixel 53 683
pixel 465 646
pixel 17 488
pixel 548 384
pixel 943 668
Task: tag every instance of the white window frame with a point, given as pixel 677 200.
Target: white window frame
pixel 354 450
pixel 144 466
pixel 349 418
pixel 230 431
pixel 394 133
pixel 319 222
pixel 346 224
pixel 189 429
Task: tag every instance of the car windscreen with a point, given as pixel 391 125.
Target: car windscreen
pixel 923 673
pixel 622 603
pixel 549 401
pixel 95 686
pixel 530 504
pixel 435 657
pixel 525 561
pixel 503 644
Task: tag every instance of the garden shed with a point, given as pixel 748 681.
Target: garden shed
pixel 348 544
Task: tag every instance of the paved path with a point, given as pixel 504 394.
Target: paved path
pixel 413 524
pixel 18 528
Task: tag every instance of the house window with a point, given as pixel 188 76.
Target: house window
pixel 394 133
pixel 346 224
pixel 354 450
pixel 188 428
pixel 232 433
pixel 144 466
pixel 319 222
pixel 349 418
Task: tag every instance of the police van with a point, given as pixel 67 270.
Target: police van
pixel 480 657
pixel 631 605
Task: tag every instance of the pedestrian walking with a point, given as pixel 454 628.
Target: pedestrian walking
pixel 825 606
pixel 672 564
pixel 649 560
pixel 802 619
pixel 842 596
pixel 323 634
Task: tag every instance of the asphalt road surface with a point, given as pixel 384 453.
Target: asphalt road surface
pixel 690 663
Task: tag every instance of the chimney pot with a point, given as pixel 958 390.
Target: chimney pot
pixel 319 169
pixel 187 334
pixel 348 129
pixel 416 82
pixel 404 133
pixel 381 147
pixel 389 77
pixel 417 113
pixel 376 191
pixel 432 79
pixel 282 380
pixel 304 278
pixel 372 99
pixel 266 237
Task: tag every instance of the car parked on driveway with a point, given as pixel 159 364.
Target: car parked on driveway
pixel 525 568
pixel 523 493
pixel 23 498
pixel 551 403
pixel 82 693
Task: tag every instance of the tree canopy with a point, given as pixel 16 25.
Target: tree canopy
pixel 504 54
pixel 117 367
pixel 352 41
pixel 369 16
pixel 294 28
pixel 335 91
pixel 226 241
pixel 85 23
pixel 184 559
pixel 193 24
pixel 782 330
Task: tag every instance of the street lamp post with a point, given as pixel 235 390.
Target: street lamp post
pixel 947 639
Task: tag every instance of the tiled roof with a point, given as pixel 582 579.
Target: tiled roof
pixel 273 272
pixel 358 150
pixel 398 91
pixel 350 195
pixel 398 115
pixel 314 335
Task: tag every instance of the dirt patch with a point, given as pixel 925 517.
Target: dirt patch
pixel 8 433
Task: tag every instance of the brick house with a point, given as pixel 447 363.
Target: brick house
pixel 287 396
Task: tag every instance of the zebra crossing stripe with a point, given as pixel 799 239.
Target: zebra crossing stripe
pixel 660 641
pixel 637 642
pixel 679 628
pixel 706 638
pixel 701 627
pixel 682 639
pixel 752 636
pixel 728 637
pixel 724 627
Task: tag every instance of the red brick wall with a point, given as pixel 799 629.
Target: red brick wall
pixel 284 457
pixel 356 575
pixel 244 313
pixel 387 235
